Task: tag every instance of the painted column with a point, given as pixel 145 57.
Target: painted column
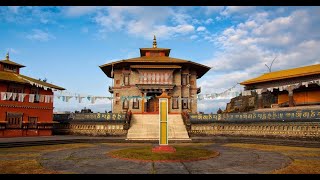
pixel 290 95
pixel 260 99
pixel 188 81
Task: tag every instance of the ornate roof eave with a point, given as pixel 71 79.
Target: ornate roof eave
pixel 106 68
pixel 12 63
pixel 21 79
pixel 284 74
pixel 40 83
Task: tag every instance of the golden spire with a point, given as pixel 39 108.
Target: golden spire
pixel 7 56
pixel 154 41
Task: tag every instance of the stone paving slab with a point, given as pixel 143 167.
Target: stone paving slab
pixel 170 168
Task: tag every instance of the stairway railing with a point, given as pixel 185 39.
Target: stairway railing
pixel 186 120
pixel 126 126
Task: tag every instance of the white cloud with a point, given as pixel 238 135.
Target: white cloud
pixel 181 18
pixel 209 21
pixel 29 14
pixel 40 35
pixel 213 9
pixel 145 22
pixel 201 28
pixel 211 106
pixel 193 37
pixel 185 28
pixel 230 10
pixel 73 11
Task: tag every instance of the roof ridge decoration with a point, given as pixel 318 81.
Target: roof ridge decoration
pixel 36 84
pixel 154 41
pixel 7 56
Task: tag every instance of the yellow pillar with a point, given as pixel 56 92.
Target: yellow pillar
pixel 163 121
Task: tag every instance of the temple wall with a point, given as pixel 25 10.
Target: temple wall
pixel 90 129
pixel 132 90
pixel 293 130
pixel 40 110
pixel 298 130
pixel 176 91
pixel 4 133
pixel 301 97
pixel 193 91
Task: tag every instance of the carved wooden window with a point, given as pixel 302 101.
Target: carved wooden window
pixel 126 79
pixel 14 120
pixel 15 89
pixel 125 104
pixel 175 103
pixel 135 104
pixel 10 68
pixel 32 122
pixel 184 102
pixel 35 91
pixel 184 79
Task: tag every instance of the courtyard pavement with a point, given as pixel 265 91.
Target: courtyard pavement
pixel 94 160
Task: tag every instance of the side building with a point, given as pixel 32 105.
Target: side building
pixel 296 87
pixel 151 74
pixel 26 104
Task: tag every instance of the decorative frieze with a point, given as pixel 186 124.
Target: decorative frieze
pixel 27 107
pixel 274 129
pixel 91 129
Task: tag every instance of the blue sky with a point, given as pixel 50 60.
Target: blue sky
pixel 66 45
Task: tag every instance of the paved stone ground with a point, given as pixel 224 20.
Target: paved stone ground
pixel 93 160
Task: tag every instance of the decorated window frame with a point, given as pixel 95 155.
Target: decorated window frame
pixel 135 103
pixel 175 102
pixel 184 103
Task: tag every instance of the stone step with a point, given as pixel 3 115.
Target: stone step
pixel 147 127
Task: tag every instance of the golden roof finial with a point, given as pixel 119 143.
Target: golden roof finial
pixel 154 41
pixel 7 56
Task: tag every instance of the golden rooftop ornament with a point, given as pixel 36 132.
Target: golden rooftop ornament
pixel 154 41
pixel 7 56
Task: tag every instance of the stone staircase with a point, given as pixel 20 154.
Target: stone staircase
pixel 146 127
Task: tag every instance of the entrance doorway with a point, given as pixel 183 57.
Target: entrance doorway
pixel 152 105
